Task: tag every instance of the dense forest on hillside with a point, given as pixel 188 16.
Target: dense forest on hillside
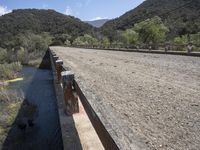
pixel 26 34
pixel 180 16
pixel 39 21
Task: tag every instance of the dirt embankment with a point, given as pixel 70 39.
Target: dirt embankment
pixel 147 101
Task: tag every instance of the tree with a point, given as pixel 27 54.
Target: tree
pixel 67 43
pixel 181 39
pixel 131 37
pixel 195 38
pixel 185 39
pixel 62 38
pixel 151 31
pixel 105 42
pixel 3 55
pixel 85 40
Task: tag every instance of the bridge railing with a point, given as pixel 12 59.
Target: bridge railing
pixel 72 92
pixel 187 49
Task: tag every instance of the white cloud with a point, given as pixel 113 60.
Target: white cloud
pixel 68 11
pixel 97 18
pixel 4 10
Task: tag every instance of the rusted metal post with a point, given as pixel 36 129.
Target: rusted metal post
pixel 59 67
pixel 70 97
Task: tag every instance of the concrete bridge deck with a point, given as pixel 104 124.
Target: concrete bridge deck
pixel 146 101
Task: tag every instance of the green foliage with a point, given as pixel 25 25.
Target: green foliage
pixel 117 44
pixel 131 36
pixel 21 55
pixel 180 21
pixel 38 21
pixel 185 39
pixel 3 55
pixel 181 40
pixel 151 31
pixel 9 71
pixel 26 34
pixel 85 40
pixel 105 41
pixel 67 43
pixel 10 103
pixel 195 38
pixel 61 38
pixel 27 47
pixel 34 42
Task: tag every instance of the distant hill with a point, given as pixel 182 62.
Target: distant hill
pixel 37 21
pixel 181 16
pixel 97 23
pixel 25 34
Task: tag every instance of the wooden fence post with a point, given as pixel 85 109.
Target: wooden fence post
pixel 53 53
pixel 70 97
pixel 59 68
pixel 190 47
pixel 167 47
pixel 54 59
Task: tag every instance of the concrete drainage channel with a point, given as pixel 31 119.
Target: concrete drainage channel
pixel 81 127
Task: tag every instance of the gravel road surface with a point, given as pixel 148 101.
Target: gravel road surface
pixel 146 101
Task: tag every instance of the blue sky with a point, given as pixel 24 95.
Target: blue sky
pixel 83 9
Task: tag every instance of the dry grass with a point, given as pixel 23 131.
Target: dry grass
pixel 10 103
pixel 10 71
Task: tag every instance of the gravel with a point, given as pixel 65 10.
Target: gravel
pixel 146 101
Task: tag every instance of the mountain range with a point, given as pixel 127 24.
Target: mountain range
pixel 97 23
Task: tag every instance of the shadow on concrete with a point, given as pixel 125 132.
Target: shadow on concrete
pixel 37 125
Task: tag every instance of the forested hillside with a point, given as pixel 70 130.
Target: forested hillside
pixel 37 21
pixel 26 34
pixel 180 16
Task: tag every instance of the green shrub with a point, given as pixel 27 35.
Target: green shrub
pixel 131 37
pixel 10 71
pixel 85 40
pixel 181 40
pixel 67 43
pixel 3 55
pixel 151 31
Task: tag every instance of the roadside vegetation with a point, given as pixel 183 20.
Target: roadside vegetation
pixel 10 103
pixel 10 71
pixel 150 33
